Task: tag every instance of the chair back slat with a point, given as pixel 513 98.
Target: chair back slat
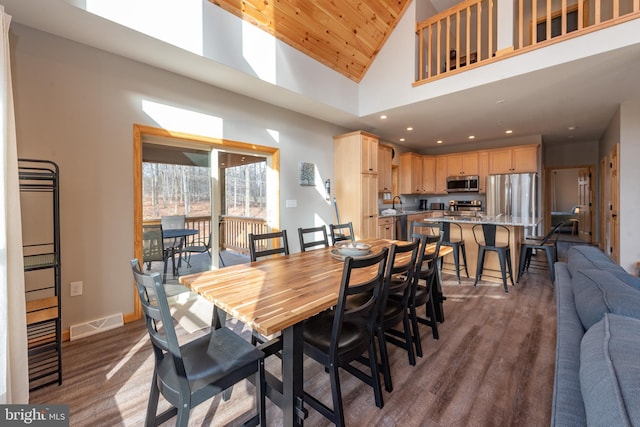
pixel 153 299
pixel 152 243
pixel 340 232
pixel 313 231
pixel 259 244
pixel 363 296
pixel 399 275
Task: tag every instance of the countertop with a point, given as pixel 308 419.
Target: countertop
pixel 408 212
pixel 498 220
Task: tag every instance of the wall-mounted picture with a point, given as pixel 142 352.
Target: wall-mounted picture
pixel 307 174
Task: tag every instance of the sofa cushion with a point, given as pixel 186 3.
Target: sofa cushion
pixel 597 292
pixel 582 257
pixel 610 372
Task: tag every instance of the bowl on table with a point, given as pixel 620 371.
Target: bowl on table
pixel 349 248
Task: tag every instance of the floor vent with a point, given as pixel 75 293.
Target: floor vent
pixel 96 326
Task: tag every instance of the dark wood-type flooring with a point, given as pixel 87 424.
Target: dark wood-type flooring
pixel 492 366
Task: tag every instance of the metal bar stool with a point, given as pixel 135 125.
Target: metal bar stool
pixel 457 244
pixel 487 241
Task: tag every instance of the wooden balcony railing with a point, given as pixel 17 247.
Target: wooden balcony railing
pixel 233 230
pixel 470 34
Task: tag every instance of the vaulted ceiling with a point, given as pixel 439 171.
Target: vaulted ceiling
pixel 344 35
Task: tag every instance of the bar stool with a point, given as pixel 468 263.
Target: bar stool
pixel 485 236
pixel 457 244
pixel 548 244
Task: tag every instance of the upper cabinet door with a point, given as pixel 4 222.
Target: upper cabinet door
pixel 514 160
pixel 385 179
pixel 369 153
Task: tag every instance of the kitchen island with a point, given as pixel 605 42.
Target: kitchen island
pixel 516 227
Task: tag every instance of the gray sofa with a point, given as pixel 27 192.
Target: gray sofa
pixel 597 373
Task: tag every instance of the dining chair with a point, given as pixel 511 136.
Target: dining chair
pixel 341 232
pixel 198 246
pixel 394 305
pixel 422 287
pixel 192 373
pixel 315 242
pixel 337 338
pixel 261 245
pixel 153 247
pixel 174 222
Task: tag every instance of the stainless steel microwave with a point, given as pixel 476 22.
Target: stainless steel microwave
pixel 463 184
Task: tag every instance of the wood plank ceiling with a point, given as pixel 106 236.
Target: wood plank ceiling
pixel 345 35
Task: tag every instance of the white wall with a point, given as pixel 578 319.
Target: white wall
pixel 629 179
pixel 76 106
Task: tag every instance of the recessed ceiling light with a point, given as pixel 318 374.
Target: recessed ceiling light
pixel 383 117
pixel 409 128
pixel 401 139
pixel 472 136
pixel 500 101
pixel 572 128
pixel 508 131
pixel 439 141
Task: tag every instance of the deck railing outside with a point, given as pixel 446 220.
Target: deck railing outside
pixel 233 230
pixel 476 31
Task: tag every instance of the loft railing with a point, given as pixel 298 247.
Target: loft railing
pixel 470 33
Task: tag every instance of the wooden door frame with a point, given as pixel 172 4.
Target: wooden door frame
pixel 141 131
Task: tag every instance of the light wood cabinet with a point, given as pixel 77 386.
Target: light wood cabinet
pixel 483 171
pixel 356 192
pixel 417 174
pixel 385 228
pixel 369 153
pixel 514 160
pixel 462 164
pixel 441 175
pixel 385 178
pixel 428 174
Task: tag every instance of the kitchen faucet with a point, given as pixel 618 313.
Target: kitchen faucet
pixel 393 203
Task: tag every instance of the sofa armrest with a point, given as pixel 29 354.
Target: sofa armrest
pixel 567 405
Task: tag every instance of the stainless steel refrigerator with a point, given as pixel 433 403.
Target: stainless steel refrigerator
pixel 513 195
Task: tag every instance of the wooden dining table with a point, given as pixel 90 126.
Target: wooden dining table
pixel 276 295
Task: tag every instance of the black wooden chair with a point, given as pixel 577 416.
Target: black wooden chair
pixel 422 287
pixel 261 245
pixel 189 374
pixel 394 305
pixel 339 337
pixel 340 232
pixel 314 242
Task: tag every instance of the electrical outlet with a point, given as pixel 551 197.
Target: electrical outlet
pixel 75 288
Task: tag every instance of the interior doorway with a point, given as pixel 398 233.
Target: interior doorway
pixel 165 146
pixel 569 199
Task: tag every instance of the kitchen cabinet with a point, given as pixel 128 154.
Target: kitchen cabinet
pixel 385 180
pixel 518 159
pixel 417 174
pixel 385 228
pixel 368 152
pixel 441 175
pixel 428 174
pixel 462 164
pixel 356 192
pixel 415 217
pixel 483 171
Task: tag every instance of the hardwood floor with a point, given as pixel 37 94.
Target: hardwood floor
pixel 492 366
